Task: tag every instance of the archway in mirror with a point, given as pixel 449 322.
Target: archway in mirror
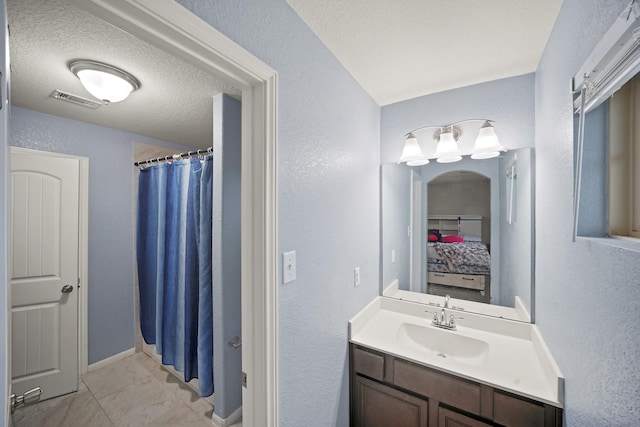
pixel 459 236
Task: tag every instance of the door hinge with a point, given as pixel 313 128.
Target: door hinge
pixel 244 379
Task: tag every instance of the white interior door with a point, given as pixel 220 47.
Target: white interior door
pixel 44 218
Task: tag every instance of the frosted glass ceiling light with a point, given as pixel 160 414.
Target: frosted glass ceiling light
pixel 105 82
pixel 487 144
pixel 411 153
pixel 447 148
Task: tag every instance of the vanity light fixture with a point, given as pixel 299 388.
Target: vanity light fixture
pixel 411 153
pixel 446 137
pixel 487 144
pixel 447 149
pixel 104 81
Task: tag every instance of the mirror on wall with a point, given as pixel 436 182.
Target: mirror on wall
pixel 461 229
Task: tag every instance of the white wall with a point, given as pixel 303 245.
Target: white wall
pixel 588 292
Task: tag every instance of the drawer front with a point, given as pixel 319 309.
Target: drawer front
pixel 432 384
pixel 469 281
pixel 512 411
pixel 368 364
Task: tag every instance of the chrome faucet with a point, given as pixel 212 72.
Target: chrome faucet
pixel 446 301
pixel 442 322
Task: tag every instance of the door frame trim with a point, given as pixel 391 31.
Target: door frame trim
pixel 83 251
pixel 169 26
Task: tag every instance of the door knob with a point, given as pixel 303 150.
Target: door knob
pixel 67 289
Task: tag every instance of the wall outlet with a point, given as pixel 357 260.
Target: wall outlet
pixel 356 277
pixel 393 255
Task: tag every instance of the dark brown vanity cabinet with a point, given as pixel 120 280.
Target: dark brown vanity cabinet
pixel 387 391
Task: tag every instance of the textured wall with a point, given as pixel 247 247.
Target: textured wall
pixel 515 268
pixel 395 196
pixel 588 292
pixel 328 195
pixel 111 258
pixel 510 102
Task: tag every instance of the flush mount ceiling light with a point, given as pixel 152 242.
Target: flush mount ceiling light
pixel 104 81
pixel 446 137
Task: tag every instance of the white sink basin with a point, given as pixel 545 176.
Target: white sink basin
pixel 444 344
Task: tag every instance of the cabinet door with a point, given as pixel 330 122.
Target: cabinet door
pixel 447 418
pixel 377 405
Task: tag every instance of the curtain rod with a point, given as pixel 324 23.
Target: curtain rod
pixel 174 157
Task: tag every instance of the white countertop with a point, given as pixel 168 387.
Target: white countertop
pixel 517 360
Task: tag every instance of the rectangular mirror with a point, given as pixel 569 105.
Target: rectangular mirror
pixel 461 229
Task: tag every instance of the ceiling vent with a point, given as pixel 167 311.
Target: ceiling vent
pixel 74 99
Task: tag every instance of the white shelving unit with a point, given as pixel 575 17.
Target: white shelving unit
pixel 464 225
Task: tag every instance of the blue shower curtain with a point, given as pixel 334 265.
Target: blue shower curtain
pixel 174 265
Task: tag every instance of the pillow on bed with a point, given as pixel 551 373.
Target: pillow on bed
pixel 436 233
pixel 453 238
pixel 433 237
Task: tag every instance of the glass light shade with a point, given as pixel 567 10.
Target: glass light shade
pixel 487 144
pixel 418 162
pixel 447 149
pixel 412 152
pixel 105 86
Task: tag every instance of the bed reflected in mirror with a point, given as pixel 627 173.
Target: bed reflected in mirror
pixel 463 230
pixel 459 236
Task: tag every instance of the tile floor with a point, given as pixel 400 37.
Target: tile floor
pixel 135 391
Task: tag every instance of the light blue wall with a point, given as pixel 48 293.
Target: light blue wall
pixel 111 258
pixel 395 182
pixel 588 292
pixel 227 361
pixel 328 190
pixel 593 214
pixel 510 102
pixel 515 268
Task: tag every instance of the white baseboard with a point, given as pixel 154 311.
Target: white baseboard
pixel 109 360
pixel 231 419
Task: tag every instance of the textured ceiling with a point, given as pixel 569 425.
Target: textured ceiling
pixel 173 103
pixel 403 49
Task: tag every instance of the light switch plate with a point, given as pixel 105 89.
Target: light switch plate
pixel 288 267
pixel 356 277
